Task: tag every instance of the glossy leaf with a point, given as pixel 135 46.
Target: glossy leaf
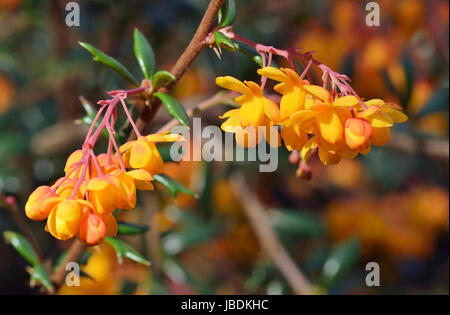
pixel 161 78
pixel 22 246
pixel 174 108
pixel 40 275
pixel 144 54
pixel 176 242
pixel 110 62
pixel 205 198
pixel 131 229
pixel 438 102
pixel 342 258
pixel 227 13
pixel 122 249
pixel 297 223
pixel 172 186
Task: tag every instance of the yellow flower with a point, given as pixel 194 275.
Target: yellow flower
pixel 381 117
pixel 291 87
pixel 142 179
pixel 293 100
pixel 92 229
pixel 380 114
pixel 75 157
pixel 65 189
pixel 103 193
pixel 325 116
pixel 328 153
pixel 35 208
pixel 64 219
pixel 256 110
pixel 358 132
pixel 143 154
pixel 126 192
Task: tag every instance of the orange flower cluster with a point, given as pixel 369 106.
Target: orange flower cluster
pixel 312 118
pixel 409 231
pixel 82 202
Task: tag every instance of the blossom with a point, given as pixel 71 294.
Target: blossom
pixel 126 192
pixel 325 116
pixel 92 229
pixel 293 100
pixel 291 87
pixel 65 216
pixel 35 208
pixel 103 193
pixel 73 161
pixel 256 111
pixel 358 132
pixel 143 154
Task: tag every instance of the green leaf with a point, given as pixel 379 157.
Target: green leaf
pixel 408 67
pixel 221 39
pixel 22 246
pixel 174 108
pixel 172 186
pixel 176 242
pixel 164 151
pixel 206 191
pixel 227 13
pixel 437 103
pixel 342 258
pixel 131 229
pixel 110 62
pixel 39 275
pixel 124 250
pixel 144 54
pixel 161 78
pixel 258 277
pixel 297 223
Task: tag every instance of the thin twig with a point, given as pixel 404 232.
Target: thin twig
pixel 197 44
pixel 268 239
pixel 74 253
pixel 11 206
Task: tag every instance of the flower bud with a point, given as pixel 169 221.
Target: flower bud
pixel 357 133
pixel 35 208
pixel 64 219
pixel 304 171
pixel 92 230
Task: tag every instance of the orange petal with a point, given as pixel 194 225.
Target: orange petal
pixel 140 154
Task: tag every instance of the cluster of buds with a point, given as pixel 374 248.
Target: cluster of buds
pixel 337 123
pixel 83 201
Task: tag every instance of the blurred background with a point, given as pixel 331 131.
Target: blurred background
pixel 390 207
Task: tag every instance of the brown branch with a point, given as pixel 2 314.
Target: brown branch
pixel 74 253
pixel 269 240
pixel 191 52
